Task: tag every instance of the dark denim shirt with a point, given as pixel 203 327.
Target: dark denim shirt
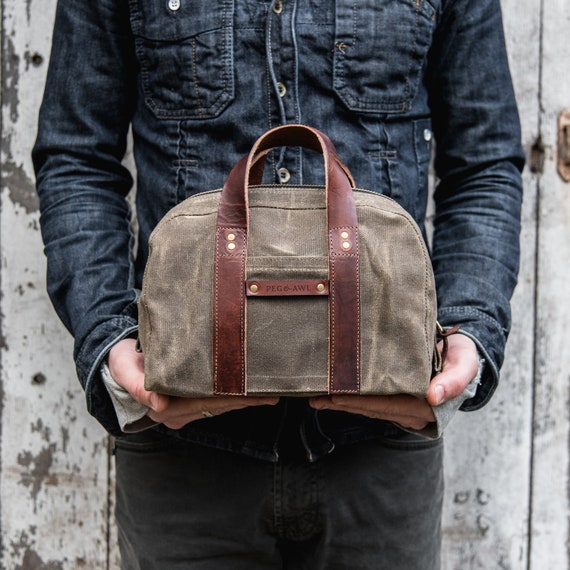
pixel 198 81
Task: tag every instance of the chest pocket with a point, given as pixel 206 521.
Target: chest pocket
pixel 380 49
pixel 184 49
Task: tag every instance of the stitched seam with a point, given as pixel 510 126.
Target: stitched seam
pixel 426 301
pixel 411 57
pixel 357 243
pixel 243 310
pixel 195 75
pixel 332 323
pixel 216 312
pixel 334 255
pixel 354 18
pixel 221 253
pixel 474 312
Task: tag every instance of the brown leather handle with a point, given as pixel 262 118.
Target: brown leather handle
pixel 249 171
pixel 230 264
pixel 290 136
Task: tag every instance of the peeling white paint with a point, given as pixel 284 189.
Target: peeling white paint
pixel 54 508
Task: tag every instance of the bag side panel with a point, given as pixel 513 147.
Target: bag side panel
pixel 176 301
pixel 398 300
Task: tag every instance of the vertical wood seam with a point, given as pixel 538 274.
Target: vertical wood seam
pixel 2 68
pixel 535 332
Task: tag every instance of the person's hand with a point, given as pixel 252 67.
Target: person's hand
pixel 126 366
pixel 460 367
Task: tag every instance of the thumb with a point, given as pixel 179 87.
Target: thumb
pixel 126 366
pixel 460 367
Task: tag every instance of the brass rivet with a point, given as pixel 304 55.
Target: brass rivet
pixel 344 235
pixel 320 287
pixel 278 7
pixel 231 246
pixel 345 245
pixel 231 237
pixel 254 288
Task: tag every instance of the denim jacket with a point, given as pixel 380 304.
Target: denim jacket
pixel 198 81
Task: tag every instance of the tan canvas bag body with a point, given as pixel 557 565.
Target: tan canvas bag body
pixel 288 290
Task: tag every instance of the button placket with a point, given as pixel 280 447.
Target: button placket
pixel 283 56
pixel 282 60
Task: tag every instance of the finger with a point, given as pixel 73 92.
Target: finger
pixel 381 404
pixel 156 402
pixel 126 367
pixel 218 406
pixel 398 404
pixel 417 421
pixel 182 411
pixel 400 408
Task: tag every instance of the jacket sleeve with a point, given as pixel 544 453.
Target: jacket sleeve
pixel 82 185
pixel 478 163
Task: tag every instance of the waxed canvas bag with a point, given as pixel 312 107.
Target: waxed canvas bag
pixel 288 290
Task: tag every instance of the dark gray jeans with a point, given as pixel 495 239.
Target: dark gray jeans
pixel 368 505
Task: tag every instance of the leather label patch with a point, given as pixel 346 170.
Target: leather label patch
pixel 287 288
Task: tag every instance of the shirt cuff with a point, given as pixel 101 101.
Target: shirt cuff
pixel 132 415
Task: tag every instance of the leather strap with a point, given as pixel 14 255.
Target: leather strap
pixel 229 311
pixel 231 251
pixel 258 162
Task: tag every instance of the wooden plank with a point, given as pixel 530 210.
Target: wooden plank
pixel 551 461
pixel 488 452
pixel 54 461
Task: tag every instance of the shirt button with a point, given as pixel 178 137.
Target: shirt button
pixel 284 175
pixel 427 135
pixel 278 7
pixel 282 89
pixel 174 5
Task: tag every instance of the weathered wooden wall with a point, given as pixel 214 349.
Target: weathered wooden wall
pixel 55 475
pixel 508 498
